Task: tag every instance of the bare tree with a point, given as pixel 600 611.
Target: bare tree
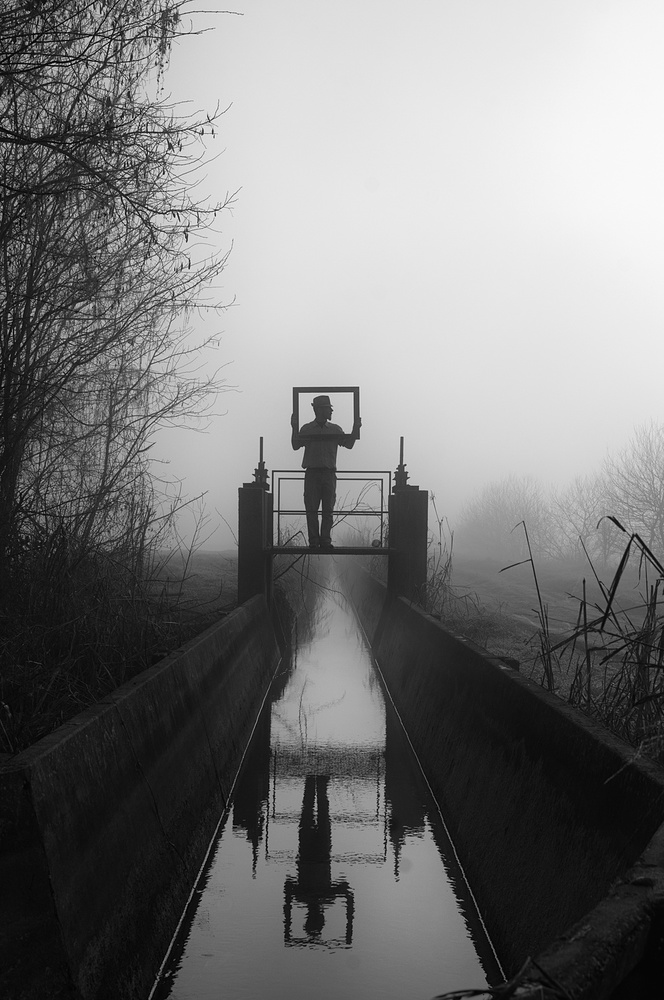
pixel 578 512
pixel 635 484
pixel 102 248
pixel 487 523
pixel 105 256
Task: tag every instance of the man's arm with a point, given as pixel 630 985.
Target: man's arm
pixel 349 440
pixel 296 440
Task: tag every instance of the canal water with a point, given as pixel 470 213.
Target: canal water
pixel 332 875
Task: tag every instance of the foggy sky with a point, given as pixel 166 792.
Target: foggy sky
pixel 454 204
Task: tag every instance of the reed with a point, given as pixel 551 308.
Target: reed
pixel 546 649
pixel 610 664
pixel 459 609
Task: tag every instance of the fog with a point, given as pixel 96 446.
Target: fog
pixel 456 206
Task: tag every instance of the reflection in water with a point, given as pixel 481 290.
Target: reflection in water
pixel 314 887
pixel 350 887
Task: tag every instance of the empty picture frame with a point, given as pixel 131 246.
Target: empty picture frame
pixel 327 390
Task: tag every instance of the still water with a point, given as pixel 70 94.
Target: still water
pixel 332 875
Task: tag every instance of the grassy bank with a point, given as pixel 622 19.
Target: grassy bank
pixel 72 637
pixel 594 639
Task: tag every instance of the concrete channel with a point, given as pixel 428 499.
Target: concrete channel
pixel 333 874
pixel 556 827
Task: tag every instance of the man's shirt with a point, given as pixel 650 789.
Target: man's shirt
pixel 322 454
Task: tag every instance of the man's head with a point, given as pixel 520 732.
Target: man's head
pixel 322 407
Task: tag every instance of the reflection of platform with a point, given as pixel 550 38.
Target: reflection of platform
pixel 337 550
pixel 289 857
pixel 334 761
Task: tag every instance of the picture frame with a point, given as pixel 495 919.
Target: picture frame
pixel 327 390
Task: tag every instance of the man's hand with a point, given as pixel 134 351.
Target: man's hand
pixel 296 440
pixel 356 426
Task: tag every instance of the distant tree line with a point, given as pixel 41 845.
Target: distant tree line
pixel 574 520
pixel 104 254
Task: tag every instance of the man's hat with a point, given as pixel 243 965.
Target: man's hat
pixel 321 401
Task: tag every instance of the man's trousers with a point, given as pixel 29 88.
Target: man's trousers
pixel 320 490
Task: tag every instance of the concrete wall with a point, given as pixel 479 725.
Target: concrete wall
pixel 547 809
pixel 105 823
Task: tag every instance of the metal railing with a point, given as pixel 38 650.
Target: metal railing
pixel 381 478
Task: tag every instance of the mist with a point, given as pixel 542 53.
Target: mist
pixel 456 207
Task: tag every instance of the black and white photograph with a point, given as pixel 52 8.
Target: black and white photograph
pixel 331 500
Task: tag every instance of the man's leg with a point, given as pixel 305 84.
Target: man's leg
pixel 328 497
pixel 312 498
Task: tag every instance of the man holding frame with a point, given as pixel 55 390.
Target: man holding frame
pixel 320 439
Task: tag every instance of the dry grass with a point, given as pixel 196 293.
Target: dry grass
pixel 470 598
pixel 73 633
pixel 599 644
pixel 614 656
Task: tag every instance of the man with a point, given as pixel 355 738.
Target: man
pixel 320 440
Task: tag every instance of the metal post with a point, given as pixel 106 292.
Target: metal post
pixel 400 476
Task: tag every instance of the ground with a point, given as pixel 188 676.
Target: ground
pixel 499 608
pixel 495 607
pixel 206 582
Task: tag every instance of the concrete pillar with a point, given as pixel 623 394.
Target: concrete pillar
pixel 407 563
pixel 254 566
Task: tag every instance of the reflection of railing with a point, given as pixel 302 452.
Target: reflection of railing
pixel 314 890
pixel 361 768
pixel 337 761
pixel 380 478
pixel 316 902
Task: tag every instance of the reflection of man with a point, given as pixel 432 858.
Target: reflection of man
pixel 313 860
pixel 320 440
pixel 314 886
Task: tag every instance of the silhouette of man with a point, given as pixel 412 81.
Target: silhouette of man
pixel 320 440
pixel 314 867
pixel 314 886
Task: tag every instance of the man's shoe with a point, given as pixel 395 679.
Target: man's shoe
pixel 326 546
pixel 315 544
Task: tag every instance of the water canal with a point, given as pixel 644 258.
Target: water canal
pixel 331 874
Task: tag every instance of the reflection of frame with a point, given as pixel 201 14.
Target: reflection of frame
pixel 327 390
pixel 327 894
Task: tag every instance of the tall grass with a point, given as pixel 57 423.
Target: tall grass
pixel 459 610
pixel 546 654
pixel 439 593
pixel 611 663
pixel 83 617
pixel 619 674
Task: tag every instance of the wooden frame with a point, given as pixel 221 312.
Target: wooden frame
pixel 327 390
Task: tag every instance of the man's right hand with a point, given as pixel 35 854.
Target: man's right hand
pixel 293 422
